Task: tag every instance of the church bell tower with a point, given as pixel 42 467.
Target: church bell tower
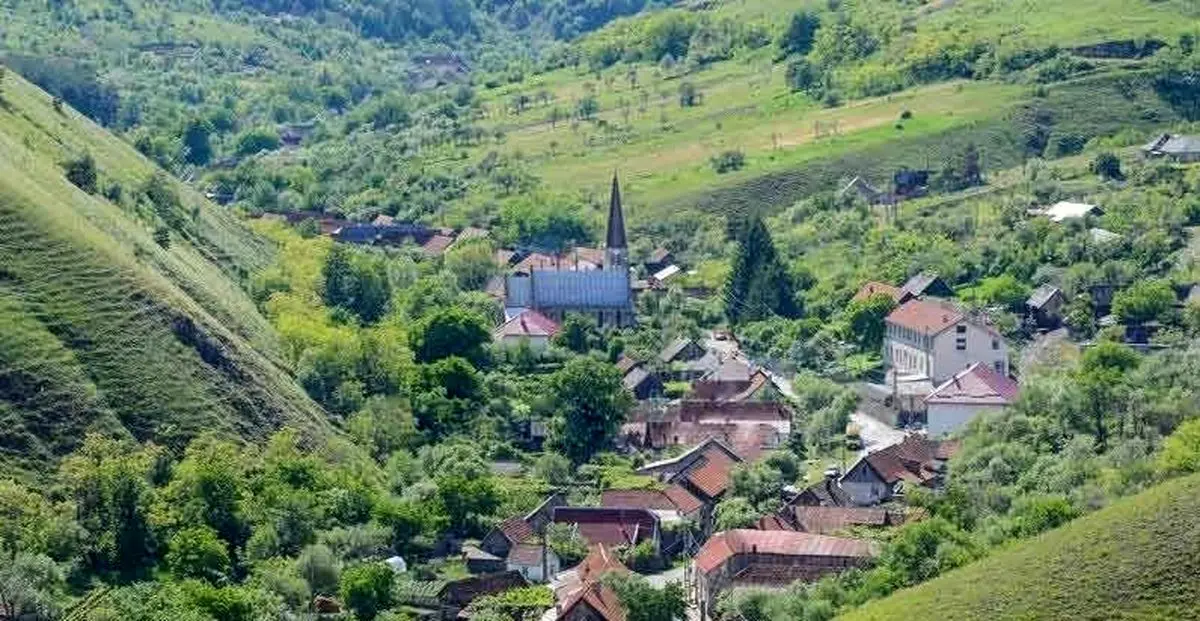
pixel 616 251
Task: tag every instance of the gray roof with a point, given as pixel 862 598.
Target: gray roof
pixel 1041 295
pixel 673 349
pixel 919 283
pixel 590 289
pixel 615 238
pixel 1174 144
pixel 635 377
pixel 1103 236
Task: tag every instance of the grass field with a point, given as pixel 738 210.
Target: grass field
pixel 102 328
pixel 1134 560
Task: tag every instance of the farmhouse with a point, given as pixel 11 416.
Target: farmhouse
pixel 761 558
pixel 445 599
pixel 747 427
pixel 971 392
pixel 517 542
pixel 704 472
pixel 638 379
pixel 1182 149
pixel 936 340
pixel 883 475
pixel 833 520
pixel 659 258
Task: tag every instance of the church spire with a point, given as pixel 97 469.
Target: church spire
pixel 616 220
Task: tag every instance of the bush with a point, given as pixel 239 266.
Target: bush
pixel 729 161
pixel 1107 165
pixel 367 589
pixel 197 553
pixel 81 172
pixel 319 568
pixel 689 96
pixel 256 140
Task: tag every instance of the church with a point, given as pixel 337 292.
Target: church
pixel 604 294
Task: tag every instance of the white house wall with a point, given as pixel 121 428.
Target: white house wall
pixel 945 418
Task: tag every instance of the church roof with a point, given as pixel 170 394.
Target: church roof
pixel 616 220
pixel 595 289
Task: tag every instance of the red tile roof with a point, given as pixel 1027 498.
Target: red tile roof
pixel 772 522
pixel 626 364
pixel 600 598
pixel 437 244
pixel 651 499
pixel 925 316
pixel 529 323
pixel 516 530
pixel 978 384
pixel 878 288
pixel 723 546
pixel 599 561
pixel 525 554
pixel 829 520
pixel 914 460
pixel 713 476
pixel 685 501
pixel 609 526
pixel 585 587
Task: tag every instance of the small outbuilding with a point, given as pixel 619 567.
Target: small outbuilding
pixel 1045 306
pixel 1182 149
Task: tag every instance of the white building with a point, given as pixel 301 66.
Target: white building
pixel 1066 210
pixel 971 392
pixel 936 340
pixel 527 326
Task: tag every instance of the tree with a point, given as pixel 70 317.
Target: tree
pixel 735 512
pixel 728 161
pixel 319 568
pixel 367 589
pixel 356 283
pixel 1102 379
pixel 1107 165
pixel 591 403
pixel 758 285
pixel 81 172
pixel 1180 452
pixel 578 333
pixel 566 543
pixel 466 499
pixel 1145 300
pixel 197 553
pixel 30 586
pixel 643 602
pixel 801 32
pixel 197 149
pixel 472 263
pixel 449 332
pixel 689 96
pixel 865 320
pixel 256 140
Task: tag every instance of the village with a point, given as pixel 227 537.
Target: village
pixel 709 409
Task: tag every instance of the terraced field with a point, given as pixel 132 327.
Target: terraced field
pixel 103 328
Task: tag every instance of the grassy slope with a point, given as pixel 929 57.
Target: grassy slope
pixel 1138 559
pixel 747 106
pixel 105 330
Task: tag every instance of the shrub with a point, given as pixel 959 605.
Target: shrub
pixel 367 589
pixel 1107 165
pixel 81 172
pixel 197 553
pixel 728 161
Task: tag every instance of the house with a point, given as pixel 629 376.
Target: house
pixel 705 472
pixel 936 340
pixel 659 258
pixel 1066 210
pixel 605 294
pixel 641 382
pixel 771 559
pixel 446 599
pixel 436 245
pixel 872 288
pixel 749 428
pixel 925 284
pixel 1045 306
pixel 581 594
pixel 612 527
pixel 661 278
pixel 971 392
pixel 517 542
pixel 883 475
pixel 1181 149
pixel 481 562
pixel 858 187
pixel 681 350
pixel 834 520
pixel 673 505
pixel 529 326
pixel 827 492
pixel 736 380
pixel 687 360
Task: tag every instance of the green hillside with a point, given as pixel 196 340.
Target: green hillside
pixel 1137 559
pixel 103 327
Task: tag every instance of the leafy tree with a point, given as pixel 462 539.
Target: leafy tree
pixel 472 263
pixel 319 568
pixel 1107 165
pixel 865 320
pixel 803 75
pixel 466 499
pixel 408 519
pixel 367 589
pixel 256 140
pixel 450 332
pixel 1004 291
pixel 1145 300
pixel 735 512
pixel 357 283
pixel 197 553
pixel 758 286
pixel 208 489
pixel 800 34
pixel 926 549
pixel 578 333
pixel 197 149
pixel 1101 377
pixel 643 602
pixel 384 425
pixel 30 586
pixel 591 403
pixel 552 468
pixel 81 172
pixel 566 542
pixel 1180 452
pixel 587 107
pixel 728 161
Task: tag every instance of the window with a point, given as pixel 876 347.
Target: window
pixel 999 364
pixel 960 328
pixel 995 344
pixel 960 343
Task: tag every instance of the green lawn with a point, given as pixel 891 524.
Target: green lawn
pixel 1138 559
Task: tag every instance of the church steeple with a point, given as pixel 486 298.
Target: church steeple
pixel 615 248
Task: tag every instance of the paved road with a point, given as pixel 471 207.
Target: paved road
pixel 660 580
pixel 875 434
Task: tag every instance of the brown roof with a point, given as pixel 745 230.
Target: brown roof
pixel 525 554
pixel 914 460
pixel 585 588
pixel 609 526
pixel 829 520
pixel 925 316
pixel 528 323
pixel 600 598
pixel 725 545
pixel 625 364
pixel 437 244
pixel 978 384
pixel 464 591
pixel 713 476
pixel 516 530
pixel 651 499
pixel 685 501
pixel 660 254
pixel 878 288
pixel 772 522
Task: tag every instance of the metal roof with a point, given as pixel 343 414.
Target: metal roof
pixel 592 289
pixel 723 546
